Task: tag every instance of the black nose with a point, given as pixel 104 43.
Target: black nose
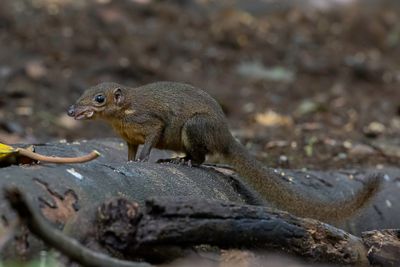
pixel 71 111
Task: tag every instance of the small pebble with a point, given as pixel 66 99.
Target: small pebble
pixel 374 129
pixel 361 150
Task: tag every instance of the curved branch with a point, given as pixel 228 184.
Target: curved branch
pixel 54 238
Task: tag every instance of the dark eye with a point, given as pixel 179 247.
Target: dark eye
pixel 99 98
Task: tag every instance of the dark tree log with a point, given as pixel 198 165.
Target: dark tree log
pixel 384 247
pixel 186 223
pixel 68 195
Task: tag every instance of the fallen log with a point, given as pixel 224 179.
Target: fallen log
pixel 187 223
pixel 68 195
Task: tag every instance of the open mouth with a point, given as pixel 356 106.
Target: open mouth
pixel 84 114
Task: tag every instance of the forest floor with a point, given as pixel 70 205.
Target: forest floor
pixel 301 87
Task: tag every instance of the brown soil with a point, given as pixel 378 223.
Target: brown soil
pixel 326 75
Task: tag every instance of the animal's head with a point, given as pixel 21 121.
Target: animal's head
pixel 101 101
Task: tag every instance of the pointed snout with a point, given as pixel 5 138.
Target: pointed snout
pixel 71 111
pixel 79 112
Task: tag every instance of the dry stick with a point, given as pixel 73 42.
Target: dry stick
pixel 54 238
pixel 25 152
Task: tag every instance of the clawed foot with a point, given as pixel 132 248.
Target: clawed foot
pixel 179 161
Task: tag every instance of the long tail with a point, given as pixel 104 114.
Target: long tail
pixel 277 191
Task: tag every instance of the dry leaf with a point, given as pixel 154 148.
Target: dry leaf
pixel 271 118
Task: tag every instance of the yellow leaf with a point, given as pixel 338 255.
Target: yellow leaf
pixel 6 151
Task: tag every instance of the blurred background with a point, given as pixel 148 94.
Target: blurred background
pixel 304 83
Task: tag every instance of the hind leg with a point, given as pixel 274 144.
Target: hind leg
pixel 195 153
pixel 196 150
pixel 202 134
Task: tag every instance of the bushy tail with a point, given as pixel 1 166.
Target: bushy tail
pixel 278 192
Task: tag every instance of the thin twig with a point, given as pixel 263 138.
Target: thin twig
pixel 91 156
pixel 55 238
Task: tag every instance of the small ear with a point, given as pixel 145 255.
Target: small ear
pixel 118 96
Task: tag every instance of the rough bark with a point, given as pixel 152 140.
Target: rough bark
pixel 185 223
pixel 384 247
pixel 182 223
pixel 55 238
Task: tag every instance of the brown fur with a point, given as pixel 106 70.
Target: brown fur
pixel 180 117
